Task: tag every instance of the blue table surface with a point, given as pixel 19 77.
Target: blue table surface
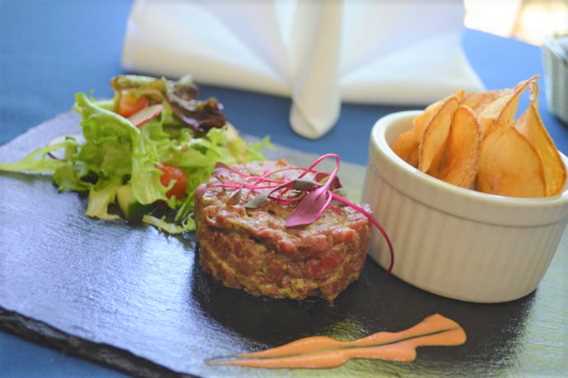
pixel 51 50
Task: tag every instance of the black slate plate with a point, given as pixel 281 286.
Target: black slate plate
pixel 135 299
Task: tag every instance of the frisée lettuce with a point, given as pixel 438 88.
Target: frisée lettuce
pixel 144 153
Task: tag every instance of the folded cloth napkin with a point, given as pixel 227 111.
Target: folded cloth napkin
pixel 317 52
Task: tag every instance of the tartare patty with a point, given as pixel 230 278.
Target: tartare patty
pixel 252 249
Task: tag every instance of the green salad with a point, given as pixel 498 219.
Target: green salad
pixel 143 153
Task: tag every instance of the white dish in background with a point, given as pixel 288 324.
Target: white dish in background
pixel 452 241
pixel 555 63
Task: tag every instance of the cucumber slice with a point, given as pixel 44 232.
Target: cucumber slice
pixel 132 210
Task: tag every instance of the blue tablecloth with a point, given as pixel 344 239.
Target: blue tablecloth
pixel 50 50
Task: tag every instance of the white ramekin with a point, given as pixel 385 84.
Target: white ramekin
pixel 456 242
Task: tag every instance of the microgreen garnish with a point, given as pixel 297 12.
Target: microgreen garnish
pixel 235 197
pixel 304 184
pixel 311 192
pixel 257 201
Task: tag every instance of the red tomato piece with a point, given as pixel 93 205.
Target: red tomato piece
pixel 169 174
pixel 129 104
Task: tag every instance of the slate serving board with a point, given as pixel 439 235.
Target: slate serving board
pixel 135 299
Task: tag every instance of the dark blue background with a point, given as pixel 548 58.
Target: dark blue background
pixel 49 50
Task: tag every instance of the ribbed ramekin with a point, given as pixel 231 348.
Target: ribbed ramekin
pixel 455 242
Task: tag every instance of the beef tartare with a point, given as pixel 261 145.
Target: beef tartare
pixel 251 248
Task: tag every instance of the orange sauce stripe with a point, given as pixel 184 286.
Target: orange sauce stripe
pixel 326 352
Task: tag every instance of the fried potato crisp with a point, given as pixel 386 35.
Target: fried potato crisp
pixel 530 125
pixel 478 101
pixel 406 146
pixel 502 110
pixel 430 149
pixel 509 165
pixel 461 160
pixel 473 140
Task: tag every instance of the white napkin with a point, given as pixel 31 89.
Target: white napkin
pixel 317 52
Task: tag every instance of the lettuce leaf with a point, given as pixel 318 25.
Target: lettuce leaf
pixel 115 149
pixel 39 160
pixel 109 139
pixel 67 178
pixel 168 227
pixel 145 180
pixel 100 198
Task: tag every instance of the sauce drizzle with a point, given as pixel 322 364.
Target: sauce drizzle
pixel 325 352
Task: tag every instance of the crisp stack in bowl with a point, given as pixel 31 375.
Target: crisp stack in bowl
pixel 474 141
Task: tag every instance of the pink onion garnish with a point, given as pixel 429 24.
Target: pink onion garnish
pixel 312 206
pixel 146 115
pixel 311 201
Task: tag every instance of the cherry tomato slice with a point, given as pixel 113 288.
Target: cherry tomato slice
pixel 169 174
pixel 129 104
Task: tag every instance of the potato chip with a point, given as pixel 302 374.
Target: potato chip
pixel 533 87
pixel 406 147
pixel 413 158
pixel 463 148
pixel 531 126
pixel 422 121
pixel 501 112
pixel 478 101
pixel 509 165
pixel 437 161
pixel 432 143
